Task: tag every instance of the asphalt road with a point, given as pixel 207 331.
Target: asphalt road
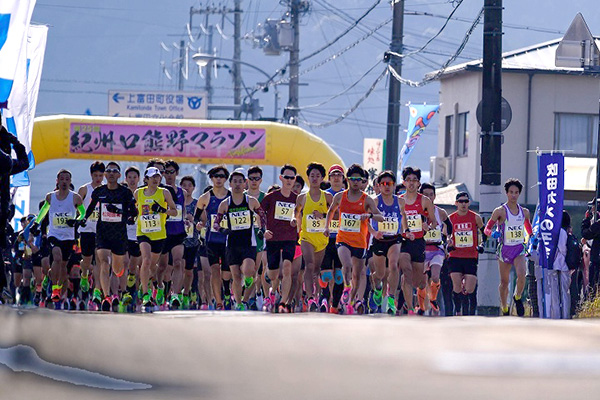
pixel 48 354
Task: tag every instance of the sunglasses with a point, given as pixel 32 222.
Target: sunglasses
pixel 115 170
pixel 289 178
pixel 462 201
pixel 356 179
pixel 170 171
pixel 222 176
pixel 255 178
pixel 411 180
pixel 391 184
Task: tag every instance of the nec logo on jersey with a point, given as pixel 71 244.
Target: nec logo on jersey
pixel 513 228
pixel 465 226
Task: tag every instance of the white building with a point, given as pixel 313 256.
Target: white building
pixel 552 109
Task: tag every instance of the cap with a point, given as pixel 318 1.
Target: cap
pixel 462 194
pixel 150 172
pixel 336 168
pixel 238 171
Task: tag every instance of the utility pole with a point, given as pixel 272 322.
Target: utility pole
pixel 182 59
pixel 237 56
pixel 209 68
pixel 490 195
pixel 292 110
pixel 392 142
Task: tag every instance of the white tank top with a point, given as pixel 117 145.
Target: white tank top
pixel 514 227
pixel 61 211
pixel 90 226
pixel 434 235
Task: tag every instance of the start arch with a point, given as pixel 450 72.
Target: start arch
pixel 185 141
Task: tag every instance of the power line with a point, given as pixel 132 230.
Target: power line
pixel 352 109
pixel 430 78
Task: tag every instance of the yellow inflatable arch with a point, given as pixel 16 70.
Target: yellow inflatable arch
pixel 185 141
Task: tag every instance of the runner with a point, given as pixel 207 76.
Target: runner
pixel 417 208
pixel 386 244
pixel 153 204
pixel 298 304
pixel 215 240
pixel 255 175
pixel 174 242
pixel 311 209
pixel 281 236
pixel 191 242
pixel 134 255
pixel 62 205
pixel 465 249
pixel 512 222
pixel 87 234
pixel 241 241
pixel 117 210
pixel 355 209
pixel 434 251
pixel 332 277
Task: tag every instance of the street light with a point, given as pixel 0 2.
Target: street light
pixel 202 60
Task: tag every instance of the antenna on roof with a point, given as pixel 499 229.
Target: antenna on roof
pixel 578 49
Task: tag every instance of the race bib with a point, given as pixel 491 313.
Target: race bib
pixel 334 226
pixel 59 220
pixel 203 233
pixel 433 235
pixel 463 239
pixel 240 220
pixel 149 223
pixel 314 225
pixel 178 217
pixel 189 229
pixel 514 235
pixel 284 211
pixel 414 222
pixel 350 222
pixel 389 226
pixel 213 219
pixel 95 215
pixel 108 216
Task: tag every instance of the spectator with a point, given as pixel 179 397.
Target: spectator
pixel 590 230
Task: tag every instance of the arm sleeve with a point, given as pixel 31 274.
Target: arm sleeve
pixel 43 212
pixel 82 212
pixel 448 226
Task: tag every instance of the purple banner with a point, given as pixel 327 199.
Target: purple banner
pixel 167 141
pixel 551 173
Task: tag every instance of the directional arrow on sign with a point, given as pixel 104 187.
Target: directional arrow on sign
pixel 116 97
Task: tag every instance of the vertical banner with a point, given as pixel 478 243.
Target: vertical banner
pixel 420 116
pixel 373 159
pixel 551 173
pixel 14 23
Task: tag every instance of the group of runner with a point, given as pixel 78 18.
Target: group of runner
pixel 141 241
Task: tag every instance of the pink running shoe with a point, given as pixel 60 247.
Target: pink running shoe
pixel 346 295
pixel 267 304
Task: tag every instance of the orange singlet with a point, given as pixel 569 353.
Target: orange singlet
pixel 353 231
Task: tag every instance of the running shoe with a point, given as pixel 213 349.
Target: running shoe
pixel 45 283
pixel 420 311
pixel 55 295
pixel 359 307
pixel 506 312
pixel 378 296
pixel 106 304
pixel 333 310
pixel 127 299
pixel 185 302
pixel 115 304
pixel 346 295
pixel 204 307
pixel 227 302
pixel 175 302
pixel 84 284
pixel 146 300
pixel 82 305
pixel 97 297
pixel 267 304
pixel 373 306
pixel 349 309
pixel 282 309
pixel 160 296
pixel 131 280
pixel 324 306
pixel 243 306
pixel 194 297
pixel 312 305
pixel 73 304
pixel 37 298
pixel 434 306
pixel 519 306
pixel 219 307
pixel 391 306
pixel 252 304
pixel 411 311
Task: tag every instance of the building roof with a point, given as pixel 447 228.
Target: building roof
pixel 537 58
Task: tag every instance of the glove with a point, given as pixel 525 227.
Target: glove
pixel 71 223
pixel 83 222
pixel 451 248
pixel 480 249
pixel 35 229
pixel 496 234
pixel 113 209
pixel 224 231
pixel 157 208
pixel 131 220
pixel 260 234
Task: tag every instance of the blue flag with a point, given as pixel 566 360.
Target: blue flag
pixel 420 116
pixel 551 174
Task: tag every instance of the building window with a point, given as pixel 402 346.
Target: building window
pixel 576 132
pixel 448 136
pixel 462 135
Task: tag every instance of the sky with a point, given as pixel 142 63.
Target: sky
pixel 97 46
